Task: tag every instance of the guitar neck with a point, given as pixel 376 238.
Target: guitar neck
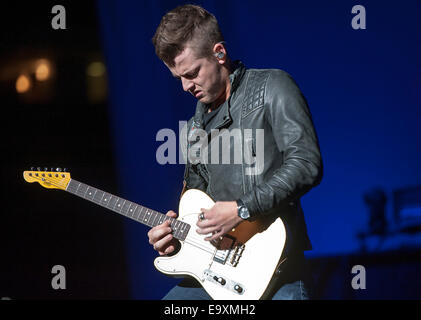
pixel 127 208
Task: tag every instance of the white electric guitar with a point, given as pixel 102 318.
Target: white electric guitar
pixel 240 266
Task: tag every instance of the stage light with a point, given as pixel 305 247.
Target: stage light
pixel 95 69
pixel 23 83
pixel 42 71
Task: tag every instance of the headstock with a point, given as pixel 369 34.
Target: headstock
pixel 52 179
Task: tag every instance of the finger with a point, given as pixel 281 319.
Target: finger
pixel 162 244
pixel 215 236
pixel 206 223
pixel 171 214
pixel 158 233
pixel 207 230
pixel 169 249
pixel 167 223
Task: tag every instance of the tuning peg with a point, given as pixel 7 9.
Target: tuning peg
pixel 58 169
pixel 38 169
pixel 65 170
pixel 45 169
pixel 32 169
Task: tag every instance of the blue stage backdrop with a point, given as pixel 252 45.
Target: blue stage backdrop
pixel 363 89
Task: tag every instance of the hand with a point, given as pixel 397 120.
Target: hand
pixel 219 220
pixel 161 237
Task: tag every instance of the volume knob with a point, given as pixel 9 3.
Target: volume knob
pixel 220 280
pixel 238 288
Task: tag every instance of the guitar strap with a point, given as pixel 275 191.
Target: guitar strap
pixel 184 188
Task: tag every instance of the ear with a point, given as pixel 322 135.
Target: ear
pixel 220 52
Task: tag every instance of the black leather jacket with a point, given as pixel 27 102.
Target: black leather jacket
pixel 270 100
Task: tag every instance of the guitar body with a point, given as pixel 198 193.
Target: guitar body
pixel 240 267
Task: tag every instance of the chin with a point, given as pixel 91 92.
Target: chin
pixel 206 100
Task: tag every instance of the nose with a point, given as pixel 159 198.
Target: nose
pixel 187 84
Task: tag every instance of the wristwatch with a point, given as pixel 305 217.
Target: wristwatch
pixel 242 210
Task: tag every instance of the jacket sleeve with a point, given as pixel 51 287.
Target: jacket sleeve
pixel 287 113
pixel 192 178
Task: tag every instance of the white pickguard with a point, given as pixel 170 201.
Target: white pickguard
pixel 255 267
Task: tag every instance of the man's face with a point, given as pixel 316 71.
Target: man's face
pixel 202 77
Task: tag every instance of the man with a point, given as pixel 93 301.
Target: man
pixel 288 162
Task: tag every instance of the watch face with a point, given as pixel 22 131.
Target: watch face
pixel 244 213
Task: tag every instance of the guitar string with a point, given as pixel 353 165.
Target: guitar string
pixel 192 240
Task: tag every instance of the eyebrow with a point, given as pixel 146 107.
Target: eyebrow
pixel 186 73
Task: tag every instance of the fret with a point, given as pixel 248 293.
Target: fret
pixel 78 187
pixel 176 227
pixel 155 214
pixel 90 196
pixel 106 199
pixel 84 195
pixel 118 205
pixel 122 205
pixel 142 215
pixel 137 207
pixel 131 209
pixel 112 202
pixel 173 221
pixel 147 217
pixel 121 209
pixel 182 228
pixel 160 216
pixel 125 207
pixel 103 194
pixel 98 196
pixel 117 199
pixel 177 224
pixel 167 218
pixel 81 190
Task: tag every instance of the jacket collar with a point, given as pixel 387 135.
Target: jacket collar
pixel 235 80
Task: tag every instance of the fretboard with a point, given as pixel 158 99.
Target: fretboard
pixel 127 208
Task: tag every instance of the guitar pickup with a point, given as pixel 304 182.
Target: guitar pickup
pixel 224 247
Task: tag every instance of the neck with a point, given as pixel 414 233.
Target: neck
pixel 227 88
